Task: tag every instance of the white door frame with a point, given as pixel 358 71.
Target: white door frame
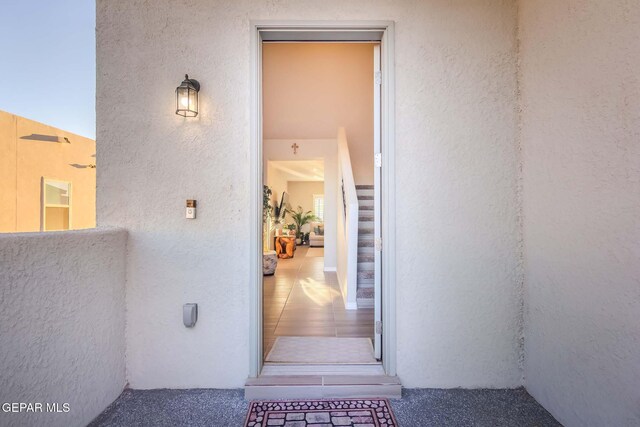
pixel 377 205
pixel 382 31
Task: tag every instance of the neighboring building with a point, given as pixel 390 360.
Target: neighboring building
pixel 47 177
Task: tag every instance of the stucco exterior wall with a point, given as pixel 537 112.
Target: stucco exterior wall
pixel 581 186
pixel 27 155
pixel 458 273
pixel 62 323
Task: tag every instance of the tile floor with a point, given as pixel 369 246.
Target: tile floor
pixel 301 299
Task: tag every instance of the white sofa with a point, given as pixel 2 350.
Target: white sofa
pixel 316 240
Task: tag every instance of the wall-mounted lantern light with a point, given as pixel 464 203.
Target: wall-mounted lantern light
pixel 187 97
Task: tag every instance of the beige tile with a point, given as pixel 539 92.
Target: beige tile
pixel 301 299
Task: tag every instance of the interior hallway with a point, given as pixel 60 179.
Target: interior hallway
pixel 301 299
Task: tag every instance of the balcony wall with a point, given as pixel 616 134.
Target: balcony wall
pixel 62 323
pixel 581 184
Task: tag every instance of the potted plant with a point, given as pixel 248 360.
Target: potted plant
pixel 266 216
pixel 300 218
pixel 278 213
pixel 266 203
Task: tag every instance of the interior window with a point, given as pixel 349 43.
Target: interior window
pixel 318 206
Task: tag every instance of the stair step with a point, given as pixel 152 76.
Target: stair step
pixel 364 197
pixel 365 231
pixel 365 202
pixel 267 387
pixel 366 258
pixel 364 190
pixel 366 208
pixel 366 266
pixel 365 275
pixel 364 243
pixel 365 217
pixel 365 292
pixel 365 297
pixel 364 187
pixel 365 302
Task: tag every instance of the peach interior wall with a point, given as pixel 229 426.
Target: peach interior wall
pixel 580 62
pixel 458 272
pixel 301 193
pixel 312 89
pixel 26 157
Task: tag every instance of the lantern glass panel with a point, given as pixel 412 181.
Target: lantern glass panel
pixel 187 98
pixel 193 101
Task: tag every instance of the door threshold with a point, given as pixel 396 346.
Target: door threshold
pixel 267 387
pixel 270 369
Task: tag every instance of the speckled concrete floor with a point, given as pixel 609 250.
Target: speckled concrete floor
pixel 424 407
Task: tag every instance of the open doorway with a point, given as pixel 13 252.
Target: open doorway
pixel 320 113
pixel 379 36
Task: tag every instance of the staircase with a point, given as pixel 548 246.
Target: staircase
pixel 366 271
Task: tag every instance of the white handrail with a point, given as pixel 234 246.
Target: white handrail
pixel 347 225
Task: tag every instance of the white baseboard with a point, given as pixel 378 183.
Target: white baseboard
pixel 331 269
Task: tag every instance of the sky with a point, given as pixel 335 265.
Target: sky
pixel 48 62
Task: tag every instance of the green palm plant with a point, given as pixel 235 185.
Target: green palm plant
pixel 300 218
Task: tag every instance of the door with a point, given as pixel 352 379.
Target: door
pixel 382 31
pixel 377 204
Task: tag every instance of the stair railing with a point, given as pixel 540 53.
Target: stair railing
pixel 347 266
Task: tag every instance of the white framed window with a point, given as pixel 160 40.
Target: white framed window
pixel 56 205
pixel 318 206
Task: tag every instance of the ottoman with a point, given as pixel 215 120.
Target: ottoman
pixel 269 263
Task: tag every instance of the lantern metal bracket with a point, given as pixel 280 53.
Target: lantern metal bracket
pixel 193 82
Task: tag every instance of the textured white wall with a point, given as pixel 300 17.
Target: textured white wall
pixel 458 271
pixel 580 135
pixel 62 324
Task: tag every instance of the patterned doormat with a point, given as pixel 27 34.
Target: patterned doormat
pixel 334 412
